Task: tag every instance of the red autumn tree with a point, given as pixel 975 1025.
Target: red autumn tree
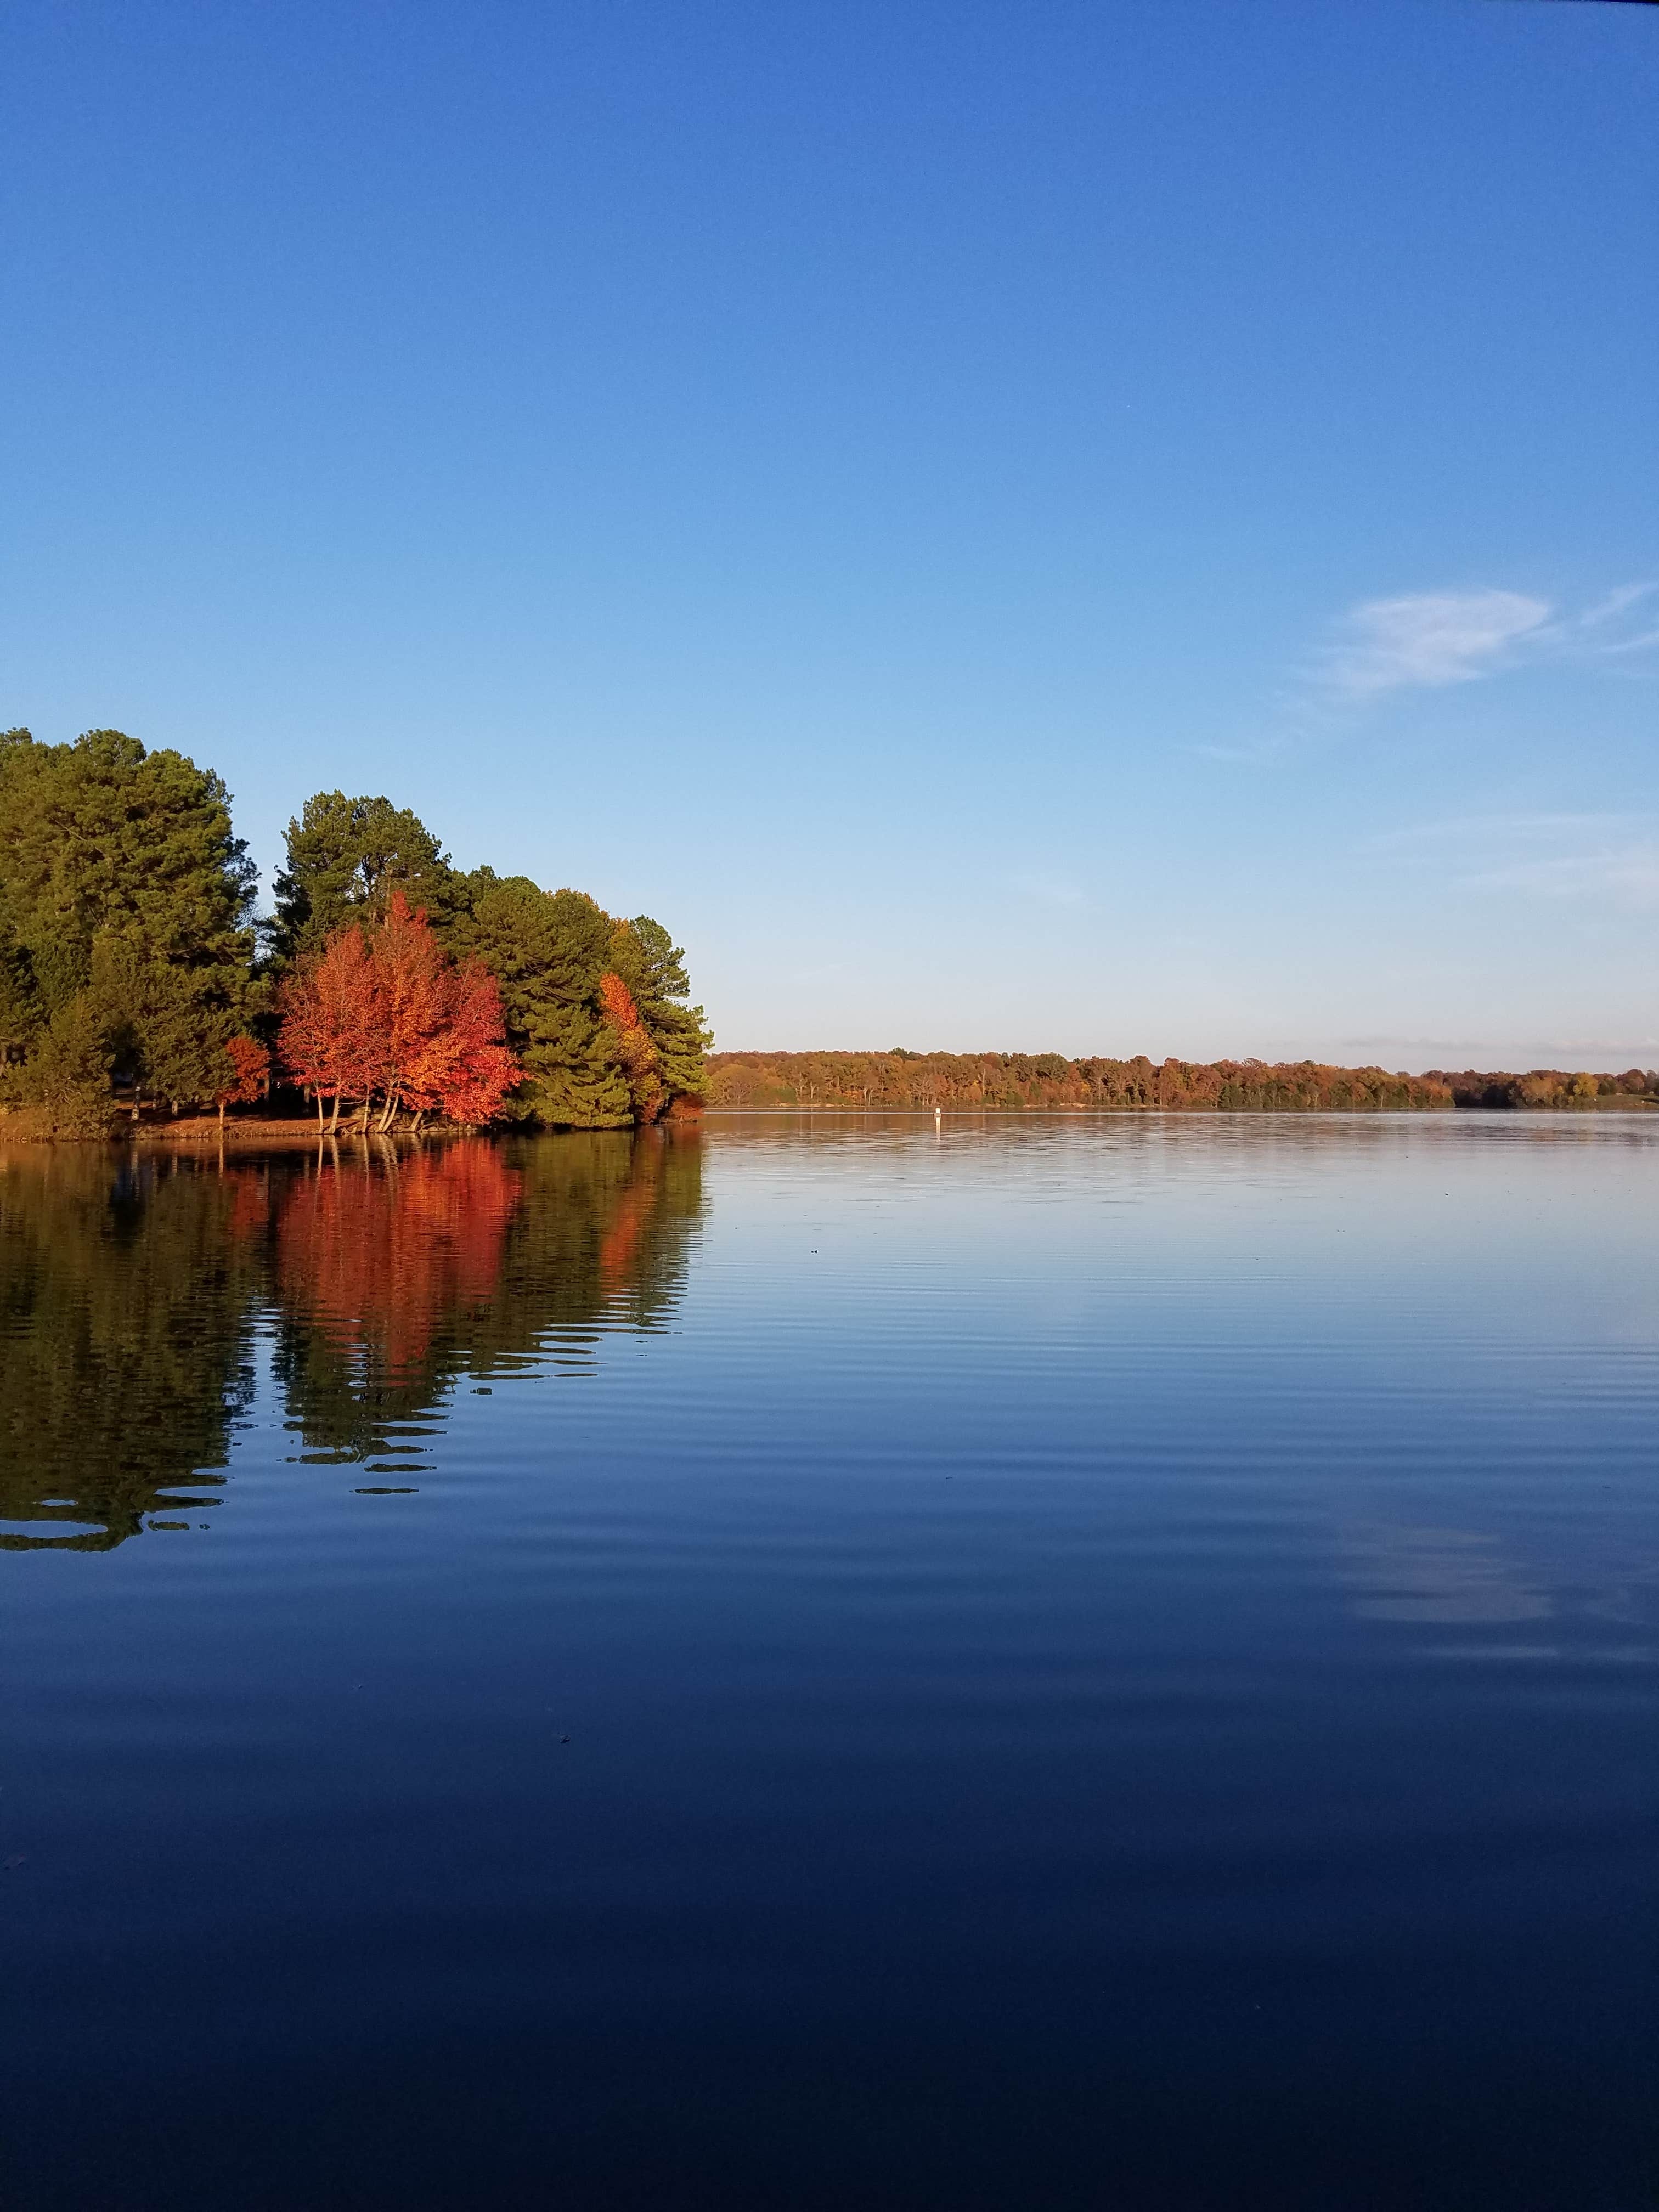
pixel 466 1069
pixel 415 994
pixel 395 1020
pixel 250 1072
pixel 635 1049
pixel 328 1040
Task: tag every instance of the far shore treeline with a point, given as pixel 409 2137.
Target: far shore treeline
pixel 135 976
pixel 1018 1080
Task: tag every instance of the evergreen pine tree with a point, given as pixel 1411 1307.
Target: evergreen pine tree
pixel 547 950
pixel 345 857
pixel 653 966
pixel 125 903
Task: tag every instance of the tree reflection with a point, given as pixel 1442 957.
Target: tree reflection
pixel 125 1308
pixel 381 1261
pixel 130 1298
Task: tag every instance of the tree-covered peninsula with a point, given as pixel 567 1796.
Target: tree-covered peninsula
pixel 135 972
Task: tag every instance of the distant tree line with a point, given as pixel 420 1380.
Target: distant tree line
pixel 1004 1080
pixel 135 971
pixel 1550 1086
pixel 1018 1080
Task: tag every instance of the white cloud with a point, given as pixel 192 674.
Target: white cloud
pixel 1425 640
pixel 1429 638
pixel 1615 603
pixel 1598 858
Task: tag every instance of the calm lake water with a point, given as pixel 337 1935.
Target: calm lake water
pixel 1052 1664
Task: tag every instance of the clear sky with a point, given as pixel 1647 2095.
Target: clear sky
pixel 1106 527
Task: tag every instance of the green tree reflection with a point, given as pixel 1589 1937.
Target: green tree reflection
pixel 398 1276
pixel 125 1305
pixel 131 1294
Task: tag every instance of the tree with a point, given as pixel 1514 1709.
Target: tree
pixel 392 1017
pixel 654 966
pixel 547 950
pixel 167 1027
pixel 100 839
pixel 69 1073
pixel 327 1039
pixel 20 1002
pixel 411 1008
pixel 441 1024
pixel 465 1068
pixel 345 857
pixel 247 1074
pixel 634 1052
pixel 123 894
pixel 587 1064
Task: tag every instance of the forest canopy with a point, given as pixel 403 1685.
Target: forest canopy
pixel 953 1080
pixel 134 969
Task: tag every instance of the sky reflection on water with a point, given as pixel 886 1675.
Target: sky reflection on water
pixel 836 1664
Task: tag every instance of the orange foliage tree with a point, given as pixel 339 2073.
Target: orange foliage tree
pixel 635 1051
pixel 250 1072
pixel 392 1018
pixel 328 1024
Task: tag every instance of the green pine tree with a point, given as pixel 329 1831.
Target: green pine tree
pixel 547 950
pixel 653 966
pixel 344 858
pixel 68 1073
pixel 125 933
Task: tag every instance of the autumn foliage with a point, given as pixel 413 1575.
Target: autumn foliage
pixel 248 1075
pixel 1047 1082
pixel 386 1017
pixel 635 1052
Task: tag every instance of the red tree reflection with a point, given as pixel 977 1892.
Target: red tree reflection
pixel 383 1260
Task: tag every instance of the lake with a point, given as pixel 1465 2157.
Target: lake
pixel 1041 1663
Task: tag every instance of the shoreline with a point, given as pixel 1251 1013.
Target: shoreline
pixel 304 1136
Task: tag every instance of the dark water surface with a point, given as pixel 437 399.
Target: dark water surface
pixel 1105 1664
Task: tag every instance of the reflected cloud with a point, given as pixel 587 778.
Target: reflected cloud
pixel 1446 1578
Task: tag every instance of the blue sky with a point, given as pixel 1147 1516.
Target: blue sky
pixel 1117 527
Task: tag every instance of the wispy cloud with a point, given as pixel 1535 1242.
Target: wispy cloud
pixel 1427 638
pixel 1427 641
pixel 1611 859
pixel 1606 616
